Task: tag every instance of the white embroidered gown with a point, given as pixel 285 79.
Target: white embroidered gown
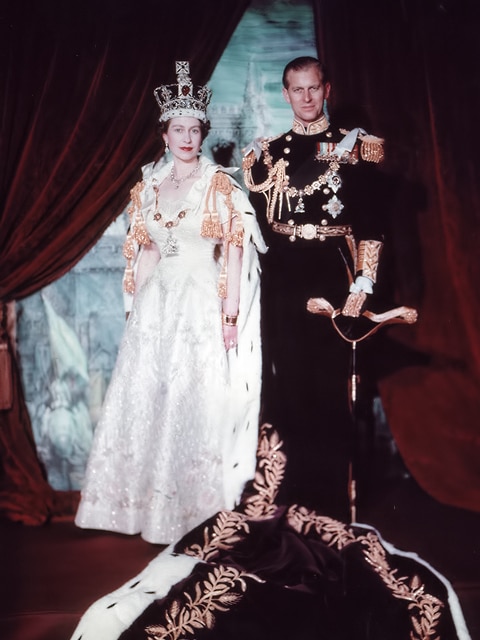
pixel 161 457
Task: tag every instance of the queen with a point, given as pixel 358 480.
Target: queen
pixel 176 441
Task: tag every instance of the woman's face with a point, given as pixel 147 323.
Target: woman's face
pixel 184 137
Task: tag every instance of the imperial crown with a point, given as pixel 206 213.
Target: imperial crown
pixel 182 99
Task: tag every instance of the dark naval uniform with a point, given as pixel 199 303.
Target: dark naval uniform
pixel 320 204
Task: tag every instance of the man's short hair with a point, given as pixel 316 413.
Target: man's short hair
pixel 304 62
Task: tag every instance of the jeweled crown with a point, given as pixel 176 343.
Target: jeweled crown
pixel 182 99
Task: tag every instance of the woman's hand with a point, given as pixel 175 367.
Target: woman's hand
pixel 230 336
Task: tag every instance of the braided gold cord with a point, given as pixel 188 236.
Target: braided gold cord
pixel 137 233
pixel 212 227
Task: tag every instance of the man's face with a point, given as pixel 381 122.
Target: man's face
pixel 305 94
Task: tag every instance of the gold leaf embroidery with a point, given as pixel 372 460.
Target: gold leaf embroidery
pixel 230 526
pixel 222 589
pixel 425 609
pixel 223 534
pixel 224 586
pixel 332 532
pixel 269 476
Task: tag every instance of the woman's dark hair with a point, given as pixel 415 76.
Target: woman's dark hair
pixel 304 62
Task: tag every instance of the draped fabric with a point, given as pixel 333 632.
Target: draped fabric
pixel 414 67
pixel 77 121
pixel 267 570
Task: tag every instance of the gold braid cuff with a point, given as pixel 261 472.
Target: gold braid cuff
pixel 212 227
pixel 368 257
pixel 137 233
pixel 353 304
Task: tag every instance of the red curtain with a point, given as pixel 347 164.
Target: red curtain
pixel 77 121
pixel 414 66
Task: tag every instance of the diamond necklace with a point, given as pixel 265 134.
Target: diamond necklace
pixel 178 181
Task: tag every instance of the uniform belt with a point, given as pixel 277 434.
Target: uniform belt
pixel 311 231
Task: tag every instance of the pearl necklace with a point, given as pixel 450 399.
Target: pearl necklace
pixel 178 181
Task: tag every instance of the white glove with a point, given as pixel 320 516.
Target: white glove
pixel 362 283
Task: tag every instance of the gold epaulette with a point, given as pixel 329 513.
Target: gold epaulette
pixel 371 148
pixel 251 152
